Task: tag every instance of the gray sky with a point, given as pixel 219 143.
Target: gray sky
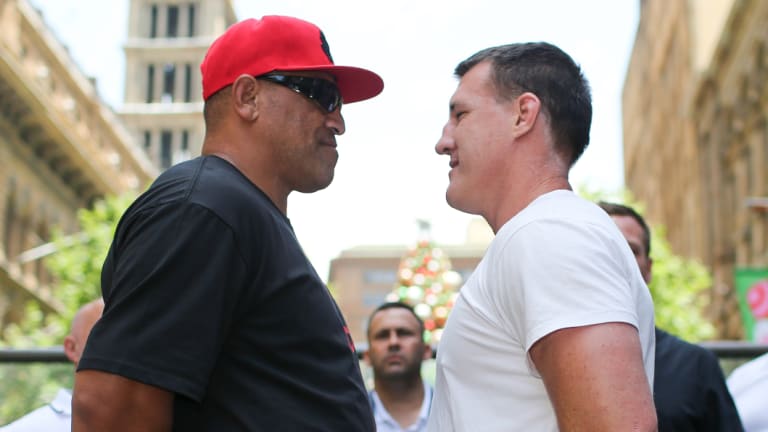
pixel 388 174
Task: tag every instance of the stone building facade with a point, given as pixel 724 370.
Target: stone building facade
pixel 695 109
pixel 61 148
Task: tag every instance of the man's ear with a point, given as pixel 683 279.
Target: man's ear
pixel 427 352
pixel 527 108
pixel 70 348
pixel 367 358
pixel 245 96
pixel 650 270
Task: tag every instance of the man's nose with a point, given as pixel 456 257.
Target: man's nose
pixel 445 143
pixel 394 340
pixel 335 121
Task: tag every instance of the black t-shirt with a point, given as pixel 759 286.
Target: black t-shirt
pixel 209 295
pixel 689 389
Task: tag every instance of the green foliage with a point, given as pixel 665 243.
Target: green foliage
pixel 76 268
pixel 678 285
pixel 29 386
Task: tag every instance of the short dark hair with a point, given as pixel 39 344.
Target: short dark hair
pixel 552 75
pixel 214 108
pixel 614 209
pixel 394 305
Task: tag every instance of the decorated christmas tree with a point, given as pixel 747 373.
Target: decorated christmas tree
pixel 426 282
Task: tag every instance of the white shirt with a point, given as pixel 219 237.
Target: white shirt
pixel 748 385
pixel 385 422
pixel 54 417
pixel 559 263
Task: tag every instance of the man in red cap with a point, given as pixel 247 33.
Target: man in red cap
pixel 215 320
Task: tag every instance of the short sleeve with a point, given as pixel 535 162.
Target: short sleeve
pixel 171 284
pixel 564 274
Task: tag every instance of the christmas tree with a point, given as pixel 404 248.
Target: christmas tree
pixel 427 283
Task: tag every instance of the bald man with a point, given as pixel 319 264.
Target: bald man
pixel 56 416
pixel 82 324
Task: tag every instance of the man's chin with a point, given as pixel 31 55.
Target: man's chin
pixel 456 200
pixel 395 373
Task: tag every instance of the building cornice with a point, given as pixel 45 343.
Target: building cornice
pixel 59 114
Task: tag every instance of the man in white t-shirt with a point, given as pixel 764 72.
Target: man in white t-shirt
pixel 57 415
pixel 400 399
pixel 748 384
pixel 554 329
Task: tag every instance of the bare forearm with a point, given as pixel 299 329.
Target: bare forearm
pixel 637 419
pixel 102 402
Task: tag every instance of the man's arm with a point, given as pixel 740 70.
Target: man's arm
pixel 595 378
pixel 106 402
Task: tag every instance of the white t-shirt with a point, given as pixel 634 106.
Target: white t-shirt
pixel 559 263
pixel 54 417
pixel 748 385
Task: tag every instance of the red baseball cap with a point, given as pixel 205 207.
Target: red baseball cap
pixel 280 43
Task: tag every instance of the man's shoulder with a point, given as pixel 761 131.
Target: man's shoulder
pixel 209 183
pixel 750 374
pixel 669 347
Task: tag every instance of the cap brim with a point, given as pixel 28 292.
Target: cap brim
pixel 355 84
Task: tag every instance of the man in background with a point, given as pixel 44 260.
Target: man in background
pixel 689 388
pixel 400 398
pixel 57 415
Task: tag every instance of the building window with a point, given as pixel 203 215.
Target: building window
pixel 147 140
pixel 153 22
pixel 380 276
pixel 172 30
pixel 374 299
pixel 166 153
pixel 185 140
pixel 183 153
pixel 191 20
pixel 188 83
pixel 150 83
pixel 169 82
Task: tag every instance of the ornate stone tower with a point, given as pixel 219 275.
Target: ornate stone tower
pixel 163 105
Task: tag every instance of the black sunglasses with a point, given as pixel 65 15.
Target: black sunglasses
pixel 325 93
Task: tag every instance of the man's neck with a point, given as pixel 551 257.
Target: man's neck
pixel 402 399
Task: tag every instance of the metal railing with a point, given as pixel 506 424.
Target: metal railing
pixel 33 355
pixel 737 350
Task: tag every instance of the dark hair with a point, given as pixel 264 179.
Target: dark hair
pixel 546 71
pixel 395 305
pixel 614 209
pixel 213 108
